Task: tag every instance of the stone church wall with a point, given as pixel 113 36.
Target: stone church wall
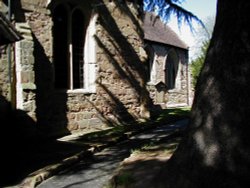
pixel 4 73
pixel 161 95
pixel 121 95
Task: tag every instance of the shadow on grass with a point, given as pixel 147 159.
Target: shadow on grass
pixel 173 114
pixel 122 132
pixel 144 164
pixel 23 159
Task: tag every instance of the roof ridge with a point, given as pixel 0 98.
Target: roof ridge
pixel 156 30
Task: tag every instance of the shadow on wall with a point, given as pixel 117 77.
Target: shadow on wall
pixel 51 106
pixel 121 113
pixel 17 125
pixel 45 105
pixel 16 7
pixel 24 149
pixel 126 63
pixel 17 130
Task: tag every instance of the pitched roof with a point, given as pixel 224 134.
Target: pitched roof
pixel 8 33
pixel 155 30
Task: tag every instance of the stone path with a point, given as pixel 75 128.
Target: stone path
pixel 96 171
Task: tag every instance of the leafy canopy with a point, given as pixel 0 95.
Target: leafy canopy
pixel 197 63
pixel 167 8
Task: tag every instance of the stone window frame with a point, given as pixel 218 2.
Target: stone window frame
pixel 90 60
pixel 151 67
pixel 175 85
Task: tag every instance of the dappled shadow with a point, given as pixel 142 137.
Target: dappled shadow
pixel 111 136
pixel 144 164
pixel 24 145
pixel 95 171
pixel 112 107
pixel 125 10
pixel 27 154
pixel 126 64
pixel 118 109
pixel 137 174
pixel 23 159
pixel 215 152
pixel 24 149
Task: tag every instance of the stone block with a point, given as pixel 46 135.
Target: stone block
pixel 27 77
pixel 83 124
pixel 28 86
pixel 29 106
pixel 72 126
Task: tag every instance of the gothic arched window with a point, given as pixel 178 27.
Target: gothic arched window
pixel 74 48
pixel 171 69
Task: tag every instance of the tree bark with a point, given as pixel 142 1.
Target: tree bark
pixel 216 149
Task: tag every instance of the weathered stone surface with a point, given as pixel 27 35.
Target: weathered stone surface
pixel 120 93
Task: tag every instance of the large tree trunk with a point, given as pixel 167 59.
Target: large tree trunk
pixel 216 150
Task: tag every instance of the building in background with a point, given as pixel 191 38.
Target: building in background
pixel 167 65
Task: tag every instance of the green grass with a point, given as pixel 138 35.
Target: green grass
pixel 112 134
pixel 125 179
pixel 174 114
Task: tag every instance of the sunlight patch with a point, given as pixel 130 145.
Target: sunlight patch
pixel 209 151
pixel 211 154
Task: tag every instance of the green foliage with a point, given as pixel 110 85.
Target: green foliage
pixel 114 134
pixel 167 8
pixel 125 179
pixel 173 114
pixel 197 63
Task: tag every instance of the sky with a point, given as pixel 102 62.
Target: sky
pixel 203 9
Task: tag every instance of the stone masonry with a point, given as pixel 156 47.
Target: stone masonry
pixel 120 94
pixel 117 92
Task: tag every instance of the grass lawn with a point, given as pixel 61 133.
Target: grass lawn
pixel 120 132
